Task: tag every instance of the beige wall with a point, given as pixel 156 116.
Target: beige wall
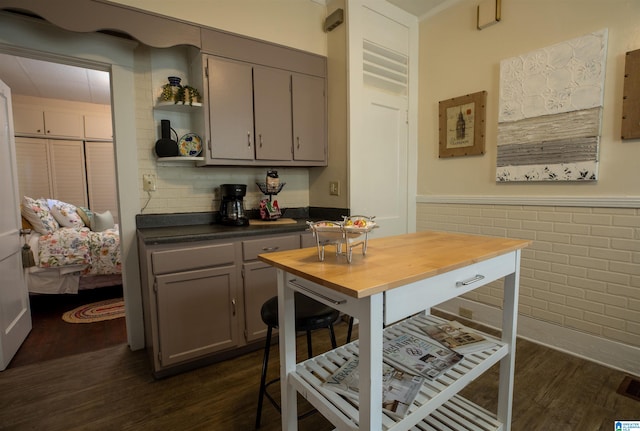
pixel 582 273
pixel 294 23
pixel 456 59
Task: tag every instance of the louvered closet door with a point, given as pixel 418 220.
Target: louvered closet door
pixel 101 177
pixel 33 168
pixel 68 172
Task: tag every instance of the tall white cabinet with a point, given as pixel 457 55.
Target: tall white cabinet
pixel 65 154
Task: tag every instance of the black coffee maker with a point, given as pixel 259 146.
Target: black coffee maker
pixel 232 206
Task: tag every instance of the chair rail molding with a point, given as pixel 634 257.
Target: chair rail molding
pixel 554 201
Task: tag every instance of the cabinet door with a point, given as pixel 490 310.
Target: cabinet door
pixel 68 171
pixel 98 127
pixel 309 118
pixel 33 167
pixel 28 121
pixel 101 177
pixel 196 313
pixel 260 284
pixel 272 99
pixel 66 124
pixel 230 110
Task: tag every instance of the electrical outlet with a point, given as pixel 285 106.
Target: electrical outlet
pixel 149 182
pixel 466 313
pixel 334 188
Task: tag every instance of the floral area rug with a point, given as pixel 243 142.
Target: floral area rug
pixel 96 312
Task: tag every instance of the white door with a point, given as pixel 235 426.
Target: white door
pixel 382 65
pixel 379 176
pixel 15 314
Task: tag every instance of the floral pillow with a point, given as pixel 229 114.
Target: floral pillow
pixel 36 211
pixel 86 215
pixel 65 214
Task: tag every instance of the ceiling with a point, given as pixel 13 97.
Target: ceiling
pixel 37 78
pixel 29 77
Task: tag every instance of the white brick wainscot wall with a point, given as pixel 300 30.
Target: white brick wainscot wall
pixel 580 279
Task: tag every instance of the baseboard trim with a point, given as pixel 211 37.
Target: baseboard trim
pixel 609 353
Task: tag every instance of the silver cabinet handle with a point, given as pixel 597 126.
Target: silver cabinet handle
pixel 270 248
pixel 298 140
pixel 248 139
pixel 260 135
pixel 233 304
pixel 470 280
pixel 326 298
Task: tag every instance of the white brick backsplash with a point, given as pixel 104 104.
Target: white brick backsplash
pixel 572 270
pixel 583 304
pixel 608 276
pixel 571 228
pixel 625 267
pixel 547 315
pixel 588 262
pixel 581 272
pixel 552 257
pixel 554 216
pixel 567 290
pixel 610 322
pixel 583 325
pixel 587 283
pixel 592 219
pixel 625 244
pixel 612 231
pixel 567 311
pixel 554 237
pixel 590 241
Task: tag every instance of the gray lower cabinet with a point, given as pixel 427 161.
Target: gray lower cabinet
pixel 202 299
pixel 259 279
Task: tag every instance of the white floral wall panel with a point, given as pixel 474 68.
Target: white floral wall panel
pixel 550 112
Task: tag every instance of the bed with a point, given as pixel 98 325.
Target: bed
pixel 72 248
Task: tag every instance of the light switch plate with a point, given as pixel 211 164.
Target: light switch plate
pixel 334 188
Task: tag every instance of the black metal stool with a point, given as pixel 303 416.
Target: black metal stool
pixel 310 315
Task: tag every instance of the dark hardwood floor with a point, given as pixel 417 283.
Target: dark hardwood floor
pixel 113 389
pixel 51 337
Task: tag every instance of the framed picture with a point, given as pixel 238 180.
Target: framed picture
pixel 462 125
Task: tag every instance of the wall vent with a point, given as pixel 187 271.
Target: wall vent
pixel 385 69
pixel 630 387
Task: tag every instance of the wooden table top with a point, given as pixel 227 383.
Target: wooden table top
pixel 391 261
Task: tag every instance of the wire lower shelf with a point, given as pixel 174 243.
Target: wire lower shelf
pixel 437 406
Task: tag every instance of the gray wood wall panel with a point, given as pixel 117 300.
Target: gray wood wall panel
pixel 583 123
pixel 549 152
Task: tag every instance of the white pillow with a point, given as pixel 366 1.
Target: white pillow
pixel 37 213
pixel 65 214
pixel 102 221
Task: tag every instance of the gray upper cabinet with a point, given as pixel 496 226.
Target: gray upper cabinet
pixel 309 118
pixel 263 116
pixel 272 105
pixel 230 94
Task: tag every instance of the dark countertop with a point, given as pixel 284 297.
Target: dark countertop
pixel 203 232
pixel 202 226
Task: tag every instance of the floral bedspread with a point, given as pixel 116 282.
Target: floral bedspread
pixel 100 251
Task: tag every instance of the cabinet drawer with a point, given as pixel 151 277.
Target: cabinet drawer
pixel 188 258
pixel 252 248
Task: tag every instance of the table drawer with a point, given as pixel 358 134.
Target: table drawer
pixel 252 248
pixel 401 302
pixel 193 257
